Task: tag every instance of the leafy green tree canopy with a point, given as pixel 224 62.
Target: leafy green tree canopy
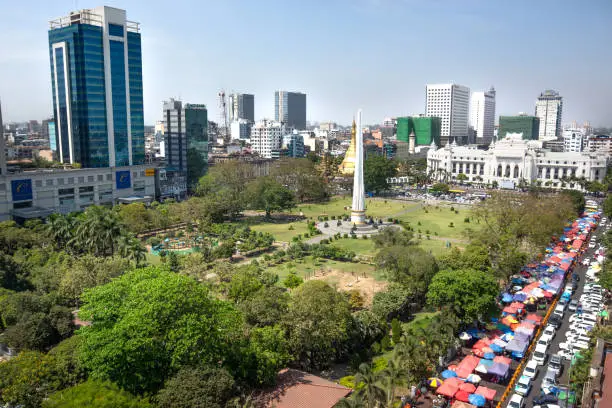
pixel 269 195
pixel 150 322
pixel 377 169
pixel 95 394
pixel 197 388
pixel 471 293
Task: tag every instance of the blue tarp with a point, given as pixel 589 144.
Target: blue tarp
pixel 477 400
pixel 496 348
pixel 446 374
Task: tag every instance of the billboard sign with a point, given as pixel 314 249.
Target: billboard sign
pixel 22 189
pixel 123 179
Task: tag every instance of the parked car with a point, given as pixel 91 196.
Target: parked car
pixel 545 399
pixel 555 364
pixel 572 305
pixel 516 401
pixel 523 385
pixel 549 331
pixel 539 355
pixel 531 369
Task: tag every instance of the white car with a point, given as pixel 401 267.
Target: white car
pixel 523 386
pixel 531 369
pixel 516 401
pixel 592 245
pixel 549 331
pixel 544 340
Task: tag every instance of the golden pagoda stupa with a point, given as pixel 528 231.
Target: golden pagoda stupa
pixel 347 168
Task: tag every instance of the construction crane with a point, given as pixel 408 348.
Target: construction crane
pixel 223 116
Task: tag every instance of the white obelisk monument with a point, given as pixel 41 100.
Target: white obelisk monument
pixel 358 210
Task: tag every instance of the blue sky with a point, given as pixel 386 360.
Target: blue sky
pixel 345 54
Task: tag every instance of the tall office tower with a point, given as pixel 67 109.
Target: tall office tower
pixel 242 106
pixel 96 77
pixel 549 109
pixel 451 103
pixel 2 144
pixel 196 131
pixel 482 115
pixel 290 109
pixel 186 138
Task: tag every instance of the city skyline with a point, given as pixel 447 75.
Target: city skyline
pixel 335 88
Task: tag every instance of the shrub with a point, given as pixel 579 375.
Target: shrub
pixel 419 230
pixel 389 219
pixel 419 223
pixel 333 217
pixel 456 211
pixel 428 237
pixel 345 235
pixel 427 232
pixel 364 237
pixel 326 218
pixel 426 211
pixel 154 241
pixel 324 241
pixel 466 219
pixel 326 225
pixel 452 208
pixel 291 227
pixel 451 225
pixel 348 381
pixel 436 233
pixel 354 236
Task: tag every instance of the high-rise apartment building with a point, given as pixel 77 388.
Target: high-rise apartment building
pixel 96 77
pixel 2 146
pixel 290 109
pixel 266 137
pixel 549 109
pixel 574 140
pixel 451 103
pixel 528 126
pixel 482 115
pixel 186 138
pixel 242 106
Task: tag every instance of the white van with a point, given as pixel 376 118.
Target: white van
pixel 539 355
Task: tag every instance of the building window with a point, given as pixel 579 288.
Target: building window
pixel 49 182
pixel 2 187
pixel 38 183
pixel 115 30
pixel 100 177
pixel 109 177
pixel 70 180
pixel 81 180
pixel 90 179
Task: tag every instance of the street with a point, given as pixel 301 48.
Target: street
pixel 580 269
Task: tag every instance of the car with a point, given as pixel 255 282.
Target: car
pixel 582 345
pixel 523 386
pixel 555 364
pixel 539 354
pixel 545 399
pixel 572 305
pixel 555 321
pixel 564 301
pixel 531 369
pixel 544 340
pixel 566 354
pixel 516 401
pixel 549 331
pixel 547 406
pixel 549 381
pixel 591 245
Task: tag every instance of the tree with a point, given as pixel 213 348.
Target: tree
pixel 368 328
pixel 410 266
pixel 393 376
pixel 475 256
pixel 377 169
pixel 392 302
pixel 607 206
pixel 135 216
pixel 392 236
pixel 26 381
pixel 440 188
pixel 292 281
pixel 267 194
pixel 89 271
pixel 461 178
pixel 302 178
pixel 262 355
pixel 149 323
pixel 196 167
pixel 265 307
pixel 197 388
pixel 471 293
pixel 317 324
pixel 95 394
pixel 368 386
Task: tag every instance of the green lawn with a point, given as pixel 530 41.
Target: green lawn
pixel 420 320
pixel 153 259
pixel 282 232
pixel 359 246
pixel 307 266
pixel 374 206
pixel 437 220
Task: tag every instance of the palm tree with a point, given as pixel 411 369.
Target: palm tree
pixel 354 401
pixel 60 228
pixel 367 383
pixel 392 376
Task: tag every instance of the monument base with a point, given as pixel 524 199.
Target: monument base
pixel 358 217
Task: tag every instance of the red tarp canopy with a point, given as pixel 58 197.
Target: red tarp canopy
pixel 467 366
pixel 462 396
pixel 548 294
pixel 554 259
pixel 534 318
pixel 520 305
pixel 454 381
pixel 510 310
pixel 577 244
pixel 564 266
pixel 488 393
pixel 503 360
pixel 481 343
pixel 468 387
pixel 447 389
pixel 461 404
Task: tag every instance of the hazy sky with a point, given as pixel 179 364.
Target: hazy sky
pixel 344 54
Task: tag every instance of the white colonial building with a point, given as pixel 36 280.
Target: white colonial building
pixel 511 160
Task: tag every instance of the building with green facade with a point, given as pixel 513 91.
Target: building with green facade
pixel 426 129
pixel 529 126
pixel 196 132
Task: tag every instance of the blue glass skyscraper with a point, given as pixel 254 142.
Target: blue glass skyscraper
pixel 96 77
